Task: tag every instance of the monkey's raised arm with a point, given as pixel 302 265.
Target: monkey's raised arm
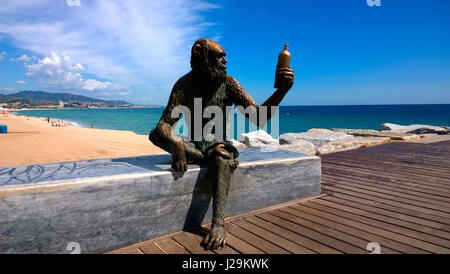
pixel 242 98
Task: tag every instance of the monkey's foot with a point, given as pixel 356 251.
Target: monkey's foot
pixel 215 238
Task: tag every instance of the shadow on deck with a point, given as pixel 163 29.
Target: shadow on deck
pixel 396 194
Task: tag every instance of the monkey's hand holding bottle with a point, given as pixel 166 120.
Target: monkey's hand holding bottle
pixel 284 75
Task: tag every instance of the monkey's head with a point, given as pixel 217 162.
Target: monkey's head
pixel 208 60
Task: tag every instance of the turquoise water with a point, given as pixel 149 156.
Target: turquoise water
pixel 292 118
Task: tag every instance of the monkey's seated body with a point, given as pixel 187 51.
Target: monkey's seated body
pixel 208 80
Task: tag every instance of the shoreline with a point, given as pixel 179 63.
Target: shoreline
pixel 27 109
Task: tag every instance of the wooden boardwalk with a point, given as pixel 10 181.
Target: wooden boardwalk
pixel 396 194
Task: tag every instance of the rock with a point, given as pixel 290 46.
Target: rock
pixel 375 133
pixel 258 138
pixel 349 131
pixel 414 129
pixel 237 144
pixel 300 146
pixel 318 130
pixel 406 137
pixel 351 143
pixel 316 138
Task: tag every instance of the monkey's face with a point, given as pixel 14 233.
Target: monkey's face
pixel 216 62
pixel 217 56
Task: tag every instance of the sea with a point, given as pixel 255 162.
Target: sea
pixel 291 118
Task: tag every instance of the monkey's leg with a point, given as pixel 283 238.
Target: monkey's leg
pixel 219 175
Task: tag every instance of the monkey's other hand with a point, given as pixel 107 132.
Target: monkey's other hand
pixel 285 77
pixel 179 162
pixel 215 238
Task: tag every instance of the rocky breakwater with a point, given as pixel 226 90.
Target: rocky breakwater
pixel 313 142
pixel 414 129
pixel 400 136
pixel 327 141
pixel 262 139
pixel 319 141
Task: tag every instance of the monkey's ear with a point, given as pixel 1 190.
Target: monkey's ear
pixel 197 49
pixel 201 51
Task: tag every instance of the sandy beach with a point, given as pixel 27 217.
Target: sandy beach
pixel 32 140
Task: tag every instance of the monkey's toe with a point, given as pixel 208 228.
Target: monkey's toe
pixel 215 239
pixel 234 164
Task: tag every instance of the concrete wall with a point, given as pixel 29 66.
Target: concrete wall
pixel 109 203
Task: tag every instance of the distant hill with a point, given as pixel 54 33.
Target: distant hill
pixel 42 96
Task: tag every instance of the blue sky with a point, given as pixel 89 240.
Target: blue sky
pixel 343 51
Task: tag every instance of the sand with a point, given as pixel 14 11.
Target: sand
pixel 32 140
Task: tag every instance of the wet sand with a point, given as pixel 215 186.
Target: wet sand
pixel 32 140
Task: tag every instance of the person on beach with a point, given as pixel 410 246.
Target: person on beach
pixel 209 81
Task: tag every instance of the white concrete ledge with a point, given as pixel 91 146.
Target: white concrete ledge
pixel 109 203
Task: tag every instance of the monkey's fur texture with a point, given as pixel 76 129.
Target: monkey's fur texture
pixel 208 80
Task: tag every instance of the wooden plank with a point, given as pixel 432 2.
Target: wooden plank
pixel 389 191
pixel 387 205
pixel 255 240
pixel 411 159
pixel 400 170
pixel 413 195
pixel 242 246
pixel 392 163
pixel 316 234
pixel 410 148
pixel 299 237
pixel 375 197
pixel 333 169
pixel 369 237
pixel 396 148
pixel 438 209
pixel 437 227
pixel 330 230
pixel 287 230
pixel 337 171
pixel 398 158
pixel 398 184
pixel 169 246
pixel 287 234
pixel 397 175
pixel 392 224
pixel 371 227
pixel 273 238
pixel 385 240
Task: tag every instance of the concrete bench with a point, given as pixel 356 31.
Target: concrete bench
pixel 106 204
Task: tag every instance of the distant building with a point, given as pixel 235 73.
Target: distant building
pixel 61 104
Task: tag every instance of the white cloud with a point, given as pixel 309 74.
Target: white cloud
pixel 7 90
pixel 23 58
pixel 73 3
pixel 124 93
pixel 2 54
pixel 22 82
pixel 141 43
pixel 58 72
